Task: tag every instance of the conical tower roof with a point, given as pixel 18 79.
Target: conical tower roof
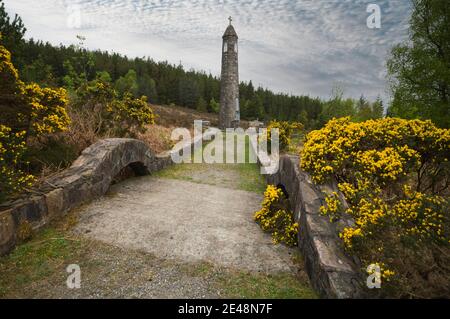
pixel 230 32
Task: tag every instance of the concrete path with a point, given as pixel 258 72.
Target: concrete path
pixel 186 222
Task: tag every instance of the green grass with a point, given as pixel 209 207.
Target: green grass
pixel 251 178
pixel 36 260
pixel 256 285
pixel 239 284
pixel 245 176
pixel 264 286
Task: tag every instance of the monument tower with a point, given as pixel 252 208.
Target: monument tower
pixel 229 115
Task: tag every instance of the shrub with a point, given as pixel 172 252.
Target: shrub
pixel 98 102
pixel 394 175
pixel 27 111
pixel 134 114
pixel 286 130
pixel 158 138
pixel 275 217
pixel 47 114
pixel 28 107
pixel 12 148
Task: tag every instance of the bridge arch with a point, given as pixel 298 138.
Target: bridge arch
pixel 89 177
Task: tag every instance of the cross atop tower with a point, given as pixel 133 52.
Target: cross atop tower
pixel 231 19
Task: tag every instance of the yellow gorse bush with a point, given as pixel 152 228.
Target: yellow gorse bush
pixel 48 109
pixel 286 130
pixel 28 107
pixel 136 112
pixel 394 175
pixel 27 110
pixel 121 117
pixel 12 178
pixel 275 217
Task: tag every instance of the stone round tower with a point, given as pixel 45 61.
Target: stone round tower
pixel 229 115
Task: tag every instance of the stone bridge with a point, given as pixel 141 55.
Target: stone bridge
pixel 88 178
pixel 216 223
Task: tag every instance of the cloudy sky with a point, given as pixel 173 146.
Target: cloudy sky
pixel 291 46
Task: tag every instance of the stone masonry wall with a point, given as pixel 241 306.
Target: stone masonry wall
pixel 229 88
pixel 332 273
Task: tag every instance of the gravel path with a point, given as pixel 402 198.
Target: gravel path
pixel 186 222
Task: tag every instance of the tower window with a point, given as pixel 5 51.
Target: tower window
pixel 225 47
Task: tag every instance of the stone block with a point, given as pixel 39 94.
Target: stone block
pixel 344 285
pixel 317 225
pixel 33 210
pixel 329 255
pixel 7 232
pixel 55 203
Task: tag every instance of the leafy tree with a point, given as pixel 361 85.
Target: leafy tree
pixel 71 80
pixel 337 106
pixel 110 114
pixel 255 108
pixel 214 106
pixel 303 118
pixel 39 72
pixel 188 92
pixel 104 76
pixel 244 105
pixel 419 69
pixel 127 84
pixel 84 59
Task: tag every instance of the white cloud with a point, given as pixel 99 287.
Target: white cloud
pixel 299 47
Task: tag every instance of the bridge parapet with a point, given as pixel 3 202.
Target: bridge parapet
pixel 333 274
pixel 89 177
